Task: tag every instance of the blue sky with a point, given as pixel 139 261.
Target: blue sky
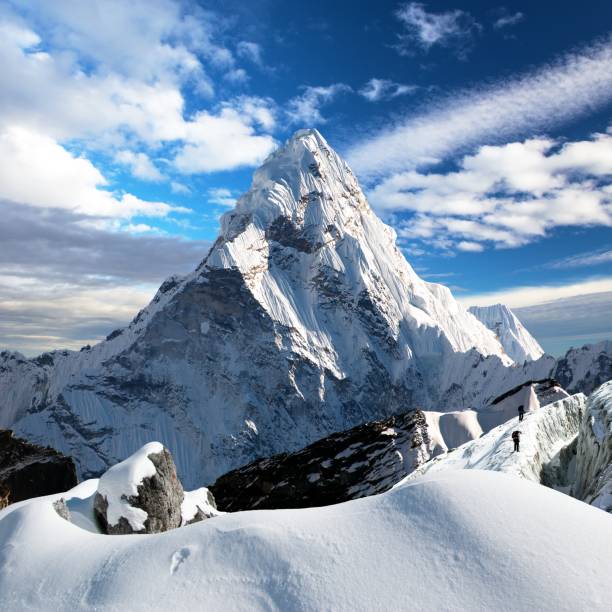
pixel 480 131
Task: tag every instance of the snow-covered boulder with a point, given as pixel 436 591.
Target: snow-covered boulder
pixel 141 494
pixel 593 481
pixel 198 505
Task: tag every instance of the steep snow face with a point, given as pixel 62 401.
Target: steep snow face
pixel 473 541
pixel 518 343
pixel 584 369
pixel 593 480
pixel 304 319
pixel 544 433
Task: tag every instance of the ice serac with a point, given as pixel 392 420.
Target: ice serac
pixel 593 479
pixel 545 433
pixel 518 343
pixel 303 319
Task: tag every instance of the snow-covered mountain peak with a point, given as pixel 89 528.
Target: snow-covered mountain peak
pixel 517 341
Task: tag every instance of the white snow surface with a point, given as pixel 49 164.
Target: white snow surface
pixel 121 481
pixel 544 432
pixel 470 541
pixel 518 343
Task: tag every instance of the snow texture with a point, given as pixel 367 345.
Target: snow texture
pixel 593 483
pixel 121 482
pixel 518 343
pixel 470 541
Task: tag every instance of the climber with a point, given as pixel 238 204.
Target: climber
pixel 521 411
pixel 516 438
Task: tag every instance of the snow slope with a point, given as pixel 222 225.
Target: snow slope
pixel 544 433
pixel 518 343
pixel 303 319
pixel 451 429
pixel 469 541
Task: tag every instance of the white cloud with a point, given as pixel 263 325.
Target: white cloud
pixel 222 197
pixel 383 89
pixel 578 83
pixel 517 297
pixel 506 195
pixel 306 108
pixel 425 29
pixel 250 51
pixel 34 169
pixel 179 188
pixel 228 139
pixel 471 247
pixel 592 258
pixel 140 165
pixel 506 19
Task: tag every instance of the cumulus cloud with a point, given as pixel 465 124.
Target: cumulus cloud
pixel 222 197
pixel 115 81
pixel 228 139
pixel 140 165
pixel 65 283
pixel 250 51
pixel 305 109
pixel 384 89
pixel 426 29
pixel 576 84
pixel 35 170
pixel 507 195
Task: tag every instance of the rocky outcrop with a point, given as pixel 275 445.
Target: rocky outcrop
pixel 593 479
pixel 586 368
pixel 362 461
pixel 28 470
pixel 141 494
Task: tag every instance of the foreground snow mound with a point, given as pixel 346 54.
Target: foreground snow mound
pixel 544 434
pixel 518 343
pixel 593 483
pixel 471 541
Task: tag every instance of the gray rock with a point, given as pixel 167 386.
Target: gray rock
pixel 62 509
pixel 160 496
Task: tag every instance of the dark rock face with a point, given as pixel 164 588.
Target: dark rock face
pixel 362 461
pixel 160 496
pixel 28 470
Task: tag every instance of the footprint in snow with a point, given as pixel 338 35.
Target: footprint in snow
pixel 178 558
